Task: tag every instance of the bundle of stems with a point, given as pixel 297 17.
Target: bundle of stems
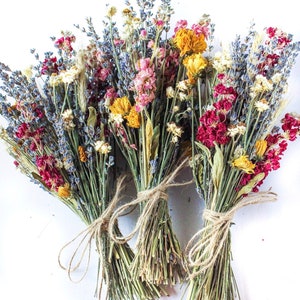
pixel 56 130
pixel 147 123
pixel 237 106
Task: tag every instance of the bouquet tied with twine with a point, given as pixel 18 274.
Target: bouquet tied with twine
pixel 57 133
pixel 238 137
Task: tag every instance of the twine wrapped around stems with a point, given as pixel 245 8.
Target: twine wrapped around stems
pixel 150 197
pixel 84 239
pixel 203 253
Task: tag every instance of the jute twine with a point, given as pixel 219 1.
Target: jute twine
pixel 151 198
pixel 204 247
pixel 83 241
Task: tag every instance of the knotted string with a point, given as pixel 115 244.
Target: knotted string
pixel 203 253
pixel 151 198
pixel 84 240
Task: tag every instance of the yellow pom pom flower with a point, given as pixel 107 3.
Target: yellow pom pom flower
pixel 187 41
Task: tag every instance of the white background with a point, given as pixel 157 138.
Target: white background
pixel 34 226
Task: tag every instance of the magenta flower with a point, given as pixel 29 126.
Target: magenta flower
pixel 23 131
pixel 65 43
pixel 49 173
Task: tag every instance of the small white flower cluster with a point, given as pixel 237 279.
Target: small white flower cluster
pixel 222 60
pixel 67 117
pixel 175 130
pixel 116 118
pixel 238 129
pixel 181 91
pixel 261 105
pixel 66 76
pixel 261 85
pixel 102 147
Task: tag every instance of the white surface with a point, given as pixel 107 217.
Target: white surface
pixel 34 226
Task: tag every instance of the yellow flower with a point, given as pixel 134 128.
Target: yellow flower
pixel 127 12
pixel 64 191
pixel 28 73
pixel 111 11
pixel 187 41
pixel 120 106
pixel 260 147
pixel 55 80
pixel 194 64
pixel 244 164
pixel 133 118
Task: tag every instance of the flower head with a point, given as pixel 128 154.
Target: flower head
pixel 260 147
pixel 102 147
pixel 261 105
pixel 69 75
pixel 82 154
pixel 120 106
pixel 222 60
pixel 188 42
pixel 67 117
pixel 243 163
pixel 64 191
pixel 194 64
pixel 175 130
pixel 111 11
pixel 133 118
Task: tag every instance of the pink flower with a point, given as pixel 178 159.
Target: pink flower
pixel 142 100
pixel 150 44
pixel 271 31
pixel 102 73
pixel 143 64
pixel 65 43
pixel 159 23
pixel 281 37
pixel 118 42
pixel 133 146
pixel 110 95
pixel 144 83
pixel 143 33
pixel 180 24
pixel 199 29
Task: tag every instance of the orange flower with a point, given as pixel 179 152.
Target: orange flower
pixel 82 154
pixel 133 118
pixel 187 41
pixel 12 108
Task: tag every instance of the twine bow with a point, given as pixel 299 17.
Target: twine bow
pixel 210 239
pixel 151 197
pixel 84 239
